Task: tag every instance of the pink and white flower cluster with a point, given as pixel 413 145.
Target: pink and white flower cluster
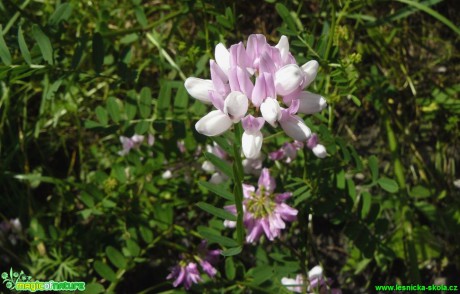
pixel 187 272
pixel 256 84
pixel 135 141
pixel 264 212
pixel 317 283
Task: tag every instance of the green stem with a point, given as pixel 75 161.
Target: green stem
pixel 114 284
pixel 331 34
pixel 330 119
pixel 238 176
pixel 150 289
pixel 166 55
pixel 15 17
pixel 268 138
pixel 305 157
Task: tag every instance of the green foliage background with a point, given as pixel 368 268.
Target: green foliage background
pixel 76 75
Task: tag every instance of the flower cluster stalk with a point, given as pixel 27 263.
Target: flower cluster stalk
pixel 238 176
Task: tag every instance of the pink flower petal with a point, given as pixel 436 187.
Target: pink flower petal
pixel 252 124
pixel 267 181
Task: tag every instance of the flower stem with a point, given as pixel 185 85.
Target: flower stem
pixel 166 55
pixel 238 176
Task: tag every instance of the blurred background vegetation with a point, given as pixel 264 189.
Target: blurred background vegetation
pixel 76 75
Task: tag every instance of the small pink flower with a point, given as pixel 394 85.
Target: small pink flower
pixel 313 141
pixel 318 149
pixel 294 285
pixel 217 151
pixel 186 274
pixel 287 152
pixel 150 140
pixel 208 259
pixel 134 142
pixel 167 174
pixel 187 271
pixel 16 225
pixel 208 268
pixel 181 146
pixel 130 143
pixel 12 229
pixel 317 283
pixel 217 176
pixel 253 165
pixel 264 212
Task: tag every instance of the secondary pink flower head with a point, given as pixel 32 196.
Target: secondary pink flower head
pixel 277 92
pixel 185 274
pixel 187 271
pixel 264 211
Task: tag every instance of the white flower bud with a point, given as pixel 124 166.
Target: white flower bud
pixel 252 144
pixel 320 151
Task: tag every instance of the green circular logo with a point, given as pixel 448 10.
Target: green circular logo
pixel 9 285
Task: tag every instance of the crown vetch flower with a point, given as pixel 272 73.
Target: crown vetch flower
pixel 130 143
pixel 185 274
pixel 134 142
pixel 276 95
pixel 187 271
pixel 264 211
pixel 317 283
pixel 294 285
